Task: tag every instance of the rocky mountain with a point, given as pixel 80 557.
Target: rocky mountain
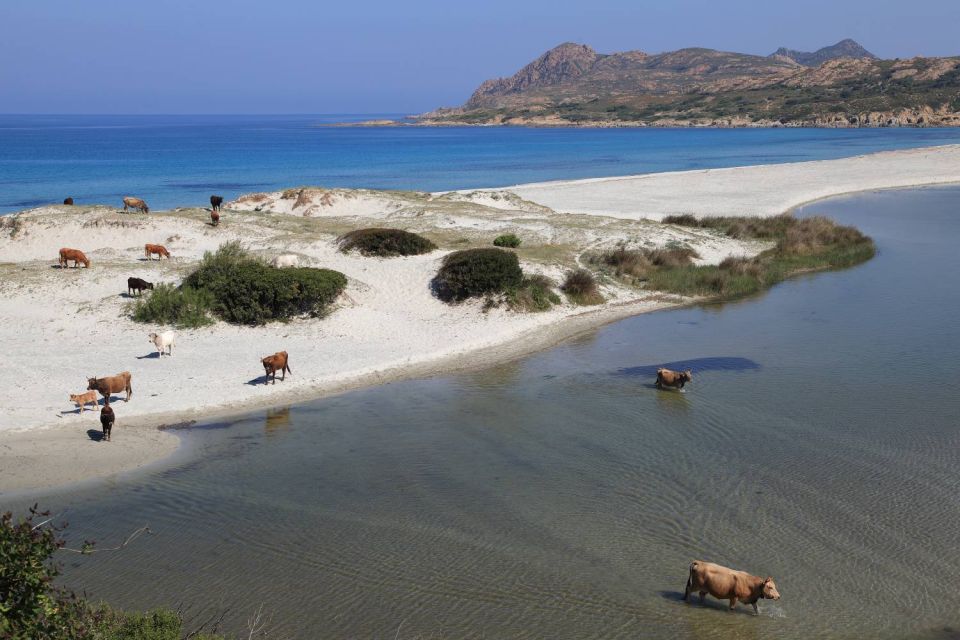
pixel 844 49
pixel 840 85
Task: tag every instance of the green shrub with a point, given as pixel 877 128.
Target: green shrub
pixel 247 291
pixel 185 307
pixel 534 293
pixel 477 272
pixel 581 287
pixel 508 240
pixel 385 242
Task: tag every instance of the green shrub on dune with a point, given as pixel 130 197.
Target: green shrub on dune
pixel 181 307
pixel 581 287
pixel 508 240
pixel 477 272
pixel 385 242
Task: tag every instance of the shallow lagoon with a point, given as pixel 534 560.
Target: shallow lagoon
pixel 561 495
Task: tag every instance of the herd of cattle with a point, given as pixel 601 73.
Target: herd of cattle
pixel 705 577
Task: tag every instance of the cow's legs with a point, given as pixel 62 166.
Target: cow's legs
pixel 686 591
pixel 756 609
pixel 733 603
pixel 703 596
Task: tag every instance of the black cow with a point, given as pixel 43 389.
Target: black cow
pixel 215 202
pixel 138 285
pixel 68 201
pixel 106 421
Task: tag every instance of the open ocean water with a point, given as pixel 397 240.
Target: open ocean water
pixel 181 160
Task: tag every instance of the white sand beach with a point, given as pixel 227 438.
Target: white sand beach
pixel 63 326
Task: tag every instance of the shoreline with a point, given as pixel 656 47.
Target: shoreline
pixel 36 460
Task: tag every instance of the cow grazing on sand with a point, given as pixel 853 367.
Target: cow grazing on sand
pixel 68 201
pixel 163 342
pixel 138 285
pixel 135 203
pixel 66 255
pixel 274 363
pixel 214 218
pixel 106 421
pixel 673 379
pixel 729 584
pixel 83 399
pixel 110 385
pixel 286 260
pixel 149 250
pixel 216 202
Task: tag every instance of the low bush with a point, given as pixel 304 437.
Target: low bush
pixel 185 308
pixel 637 263
pixel 581 287
pixel 477 272
pixel 385 242
pixel 236 287
pixel 508 240
pixel 534 293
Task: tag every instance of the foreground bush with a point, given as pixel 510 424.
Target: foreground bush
pixel 801 244
pixel 247 291
pixel 385 242
pixel 508 240
pixel 184 307
pixel 236 287
pixel 33 608
pixel 477 272
pixel 581 287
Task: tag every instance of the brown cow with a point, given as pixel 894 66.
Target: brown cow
pixel 214 218
pixel 83 399
pixel 673 379
pixel 216 202
pixel 107 418
pixel 68 201
pixel 135 203
pixel 158 249
pixel 728 584
pixel 66 255
pixel 274 363
pixel 110 385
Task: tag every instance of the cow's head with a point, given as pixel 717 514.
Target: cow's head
pixel 146 209
pixel 687 375
pixel 769 589
pixel 152 338
pixel 149 285
pixel 91 384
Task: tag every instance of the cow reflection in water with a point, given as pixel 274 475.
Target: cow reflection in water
pixel 277 420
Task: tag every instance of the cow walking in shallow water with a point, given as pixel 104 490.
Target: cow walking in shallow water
pixel 729 584
pixel 673 379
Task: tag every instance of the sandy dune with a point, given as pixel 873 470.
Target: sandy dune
pixel 62 326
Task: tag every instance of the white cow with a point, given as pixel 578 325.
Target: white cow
pixel 286 260
pixel 163 341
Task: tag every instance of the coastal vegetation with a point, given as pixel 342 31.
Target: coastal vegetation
pixel 477 272
pixel 235 286
pixel 800 245
pixel 534 293
pixel 33 607
pixel 385 243
pixel 508 240
pixel 581 287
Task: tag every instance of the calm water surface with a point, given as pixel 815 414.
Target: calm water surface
pixel 180 160
pixel 561 496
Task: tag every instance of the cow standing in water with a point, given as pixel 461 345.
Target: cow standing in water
pixel 107 419
pixel 673 379
pixel 729 584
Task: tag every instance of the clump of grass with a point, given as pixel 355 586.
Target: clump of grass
pixel 476 273
pixel 636 264
pixel 534 293
pixel 801 244
pixel 385 242
pixel 508 240
pixel 185 308
pixel 581 287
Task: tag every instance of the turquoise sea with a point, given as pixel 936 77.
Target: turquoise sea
pixel 180 160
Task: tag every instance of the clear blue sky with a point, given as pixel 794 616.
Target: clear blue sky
pixel 366 56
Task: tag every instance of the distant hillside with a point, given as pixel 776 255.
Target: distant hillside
pixel 843 49
pixel 840 85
